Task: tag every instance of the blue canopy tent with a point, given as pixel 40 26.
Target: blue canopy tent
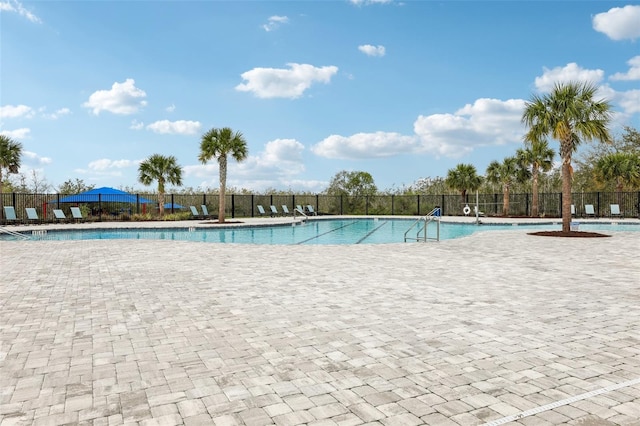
pixel 101 196
pixel 174 206
pixel 105 194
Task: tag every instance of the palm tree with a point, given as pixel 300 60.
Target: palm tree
pixel 163 170
pixel 539 157
pixel 623 168
pixel 506 174
pixel 569 114
pixel 10 158
pixel 463 178
pixel 218 144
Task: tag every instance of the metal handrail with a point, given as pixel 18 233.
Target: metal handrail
pixel 433 215
pixel 14 233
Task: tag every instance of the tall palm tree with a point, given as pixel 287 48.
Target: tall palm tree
pixel 218 144
pixel 10 158
pixel 162 169
pixel 463 178
pixel 623 168
pixel 539 157
pixel 506 174
pixel 569 114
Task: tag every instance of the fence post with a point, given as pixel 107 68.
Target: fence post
pixel 233 206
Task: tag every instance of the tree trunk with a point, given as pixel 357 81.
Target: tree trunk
pixel 566 194
pixel 534 188
pixel 161 196
pixel 223 187
pixel 505 200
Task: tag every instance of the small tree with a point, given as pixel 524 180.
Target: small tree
pixel 506 174
pixel 10 158
pixel 163 170
pixel 463 178
pixel 74 187
pixel 539 157
pixel 569 114
pixel 219 144
pixel 621 168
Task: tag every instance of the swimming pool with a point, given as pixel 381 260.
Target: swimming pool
pixel 313 232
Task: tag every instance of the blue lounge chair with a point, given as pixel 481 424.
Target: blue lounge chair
pixel 261 210
pixel 274 211
pixel 285 210
pixel 205 211
pixel 195 213
pixel 589 211
pixel 311 210
pixel 10 214
pixel 573 210
pixel 32 214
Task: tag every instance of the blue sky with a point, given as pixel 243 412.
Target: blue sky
pixel 402 90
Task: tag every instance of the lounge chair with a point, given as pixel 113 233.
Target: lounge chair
pixel 261 210
pixel 10 214
pixel 205 211
pixel 274 211
pixel 475 210
pixel 32 214
pixel 59 215
pixel 311 210
pixel 285 210
pixel 300 209
pixel 76 213
pixel 589 211
pixel 573 210
pixel 195 213
pixel 615 210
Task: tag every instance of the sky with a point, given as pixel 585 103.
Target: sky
pixel 401 90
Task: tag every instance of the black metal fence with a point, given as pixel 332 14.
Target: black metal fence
pixel 239 206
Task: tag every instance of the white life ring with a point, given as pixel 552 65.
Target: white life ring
pixel 466 210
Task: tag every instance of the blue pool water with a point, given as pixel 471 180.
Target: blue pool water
pixel 334 231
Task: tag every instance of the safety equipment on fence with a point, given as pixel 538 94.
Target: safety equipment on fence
pixel 466 210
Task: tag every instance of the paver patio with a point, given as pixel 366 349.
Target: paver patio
pixel 479 330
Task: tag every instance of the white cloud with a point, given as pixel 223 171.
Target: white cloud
pixel 57 114
pixel 485 122
pixel 284 83
pixel 35 158
pixel 17 7
pixel 570 72
pixel 619 23
pixel 276 166
pixel 368 2
pixel 105 164
pixel 629 100
pixel 274 22
pixel 365 145
pixel 170 108
pixel 136 125
pixel 123 98
pixel 180 127
pixel 15 111
pixel 17 133
pixel 634 70
pixel 371 50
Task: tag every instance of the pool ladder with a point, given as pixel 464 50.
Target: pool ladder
pixel 421 226
pixel 13 233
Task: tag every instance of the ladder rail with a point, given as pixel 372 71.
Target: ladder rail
pixel 13 233
pixel 432 216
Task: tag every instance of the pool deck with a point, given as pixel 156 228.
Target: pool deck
pixel 496 328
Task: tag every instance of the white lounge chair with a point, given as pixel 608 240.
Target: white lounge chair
pixel 285 210
pixel 32 214
pixel 589 211
pixel 59 214
pixel 205 211
pixel 311 210
pixel 615 210
pixel 10 214
pixel 573 210
pixel 274 211
pixel 261 210
pixel 76 213
pixel 195 213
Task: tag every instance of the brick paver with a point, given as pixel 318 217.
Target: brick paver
pixel 459 332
